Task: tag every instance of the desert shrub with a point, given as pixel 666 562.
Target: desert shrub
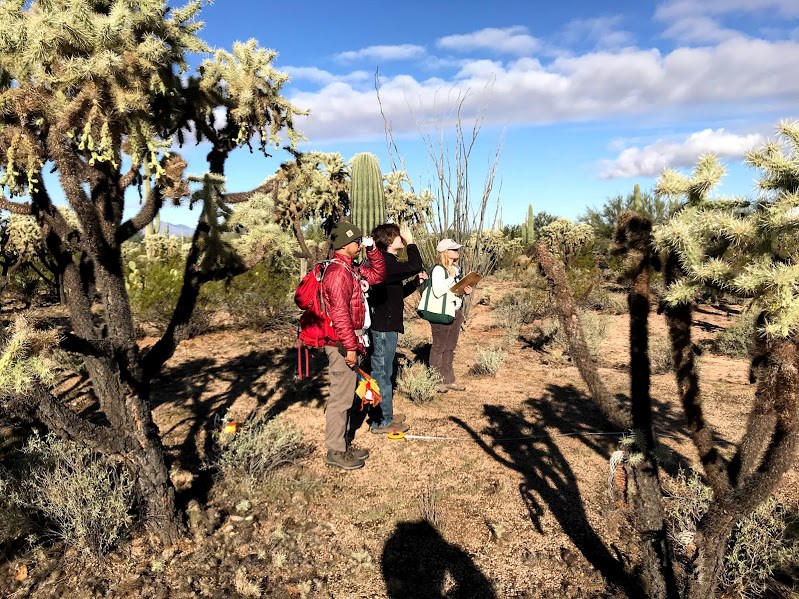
pixel 418 382
pixel 660 358
pixel 585 280
pixel 258 298
pixel 505 274
pixel 736 339
pixel 521 306
pixel 687 499
pixel 410 339
pixel 607 301
pixel 760 544
pixel 259 448
pixel 488 361
pixel 153 289
pixel 87 497
pixel 594 327
pixel 485 296
pixel 14 520
pixel 23 285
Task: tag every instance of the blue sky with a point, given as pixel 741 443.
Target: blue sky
pixel 586 98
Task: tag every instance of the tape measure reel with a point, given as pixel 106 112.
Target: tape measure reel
pixel 396 436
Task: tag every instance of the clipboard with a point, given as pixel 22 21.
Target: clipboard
pixel 469 280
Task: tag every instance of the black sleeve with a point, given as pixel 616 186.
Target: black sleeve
pixel 409 287
pixel 397 272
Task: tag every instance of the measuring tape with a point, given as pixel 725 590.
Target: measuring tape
pixel 398 436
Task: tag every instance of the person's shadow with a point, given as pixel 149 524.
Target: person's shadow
pixel 417 563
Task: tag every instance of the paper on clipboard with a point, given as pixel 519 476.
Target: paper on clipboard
pixel 469 280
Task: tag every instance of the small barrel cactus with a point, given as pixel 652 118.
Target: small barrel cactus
pixel 367 202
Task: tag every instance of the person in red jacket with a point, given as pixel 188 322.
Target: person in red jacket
pixel 343 294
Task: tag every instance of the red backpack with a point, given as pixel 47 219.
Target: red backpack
pixel 315 328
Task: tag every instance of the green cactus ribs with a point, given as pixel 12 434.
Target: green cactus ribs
pixel 367 201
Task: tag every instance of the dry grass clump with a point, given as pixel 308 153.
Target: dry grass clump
pixel 260 447
pixel 660 358
pixel 85 496
pixel 428 504
pixel 410 339
pixel 418 382
pixel 245 586
pixel 488 361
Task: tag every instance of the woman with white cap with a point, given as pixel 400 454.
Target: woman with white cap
pixel 445 336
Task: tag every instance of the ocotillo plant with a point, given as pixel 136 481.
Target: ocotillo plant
pixel 367 202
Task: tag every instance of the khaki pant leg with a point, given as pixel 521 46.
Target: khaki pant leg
pixel 339 401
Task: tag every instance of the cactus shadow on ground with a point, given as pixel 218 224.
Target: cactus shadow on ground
pixel 524 441
pixel 269 377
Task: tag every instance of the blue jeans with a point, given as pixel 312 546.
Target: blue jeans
pixel 384 347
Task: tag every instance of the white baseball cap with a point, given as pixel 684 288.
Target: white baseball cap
pixel 447 244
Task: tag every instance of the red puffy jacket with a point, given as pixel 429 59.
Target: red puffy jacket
pixel 343 298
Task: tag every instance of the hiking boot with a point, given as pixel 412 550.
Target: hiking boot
pixel 398 418
pixel 393 427
pixel 359 453
pixel 456 387
pixel 442 389
pixel 343 459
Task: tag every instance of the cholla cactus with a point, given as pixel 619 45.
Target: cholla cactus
pixel 24 237
pixel 262 238
pixel 747 249
pixel 25 359
pixel 101 91
pixel 367 200
pixel 309 187
pixel 566 238
pixel 403 206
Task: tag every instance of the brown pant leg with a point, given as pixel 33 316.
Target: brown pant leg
pixel 339 401
pixel 439 335
pixel 450 343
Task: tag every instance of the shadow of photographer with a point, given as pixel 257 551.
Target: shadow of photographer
pixel 418 563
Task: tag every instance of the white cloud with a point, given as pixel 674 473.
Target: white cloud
pixel 699 29
pixel 603 32
pixel 649 161
pixel 510 40
pixel 384 53
pixel 738 76
pixel 680 9
pixel 322 77
pixel 694 21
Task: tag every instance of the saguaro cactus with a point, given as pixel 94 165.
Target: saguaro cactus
pixel 367 202
pixel 528 228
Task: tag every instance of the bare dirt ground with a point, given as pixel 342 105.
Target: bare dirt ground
pixel 517 467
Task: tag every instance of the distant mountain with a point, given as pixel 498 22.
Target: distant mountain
pixel 178 230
